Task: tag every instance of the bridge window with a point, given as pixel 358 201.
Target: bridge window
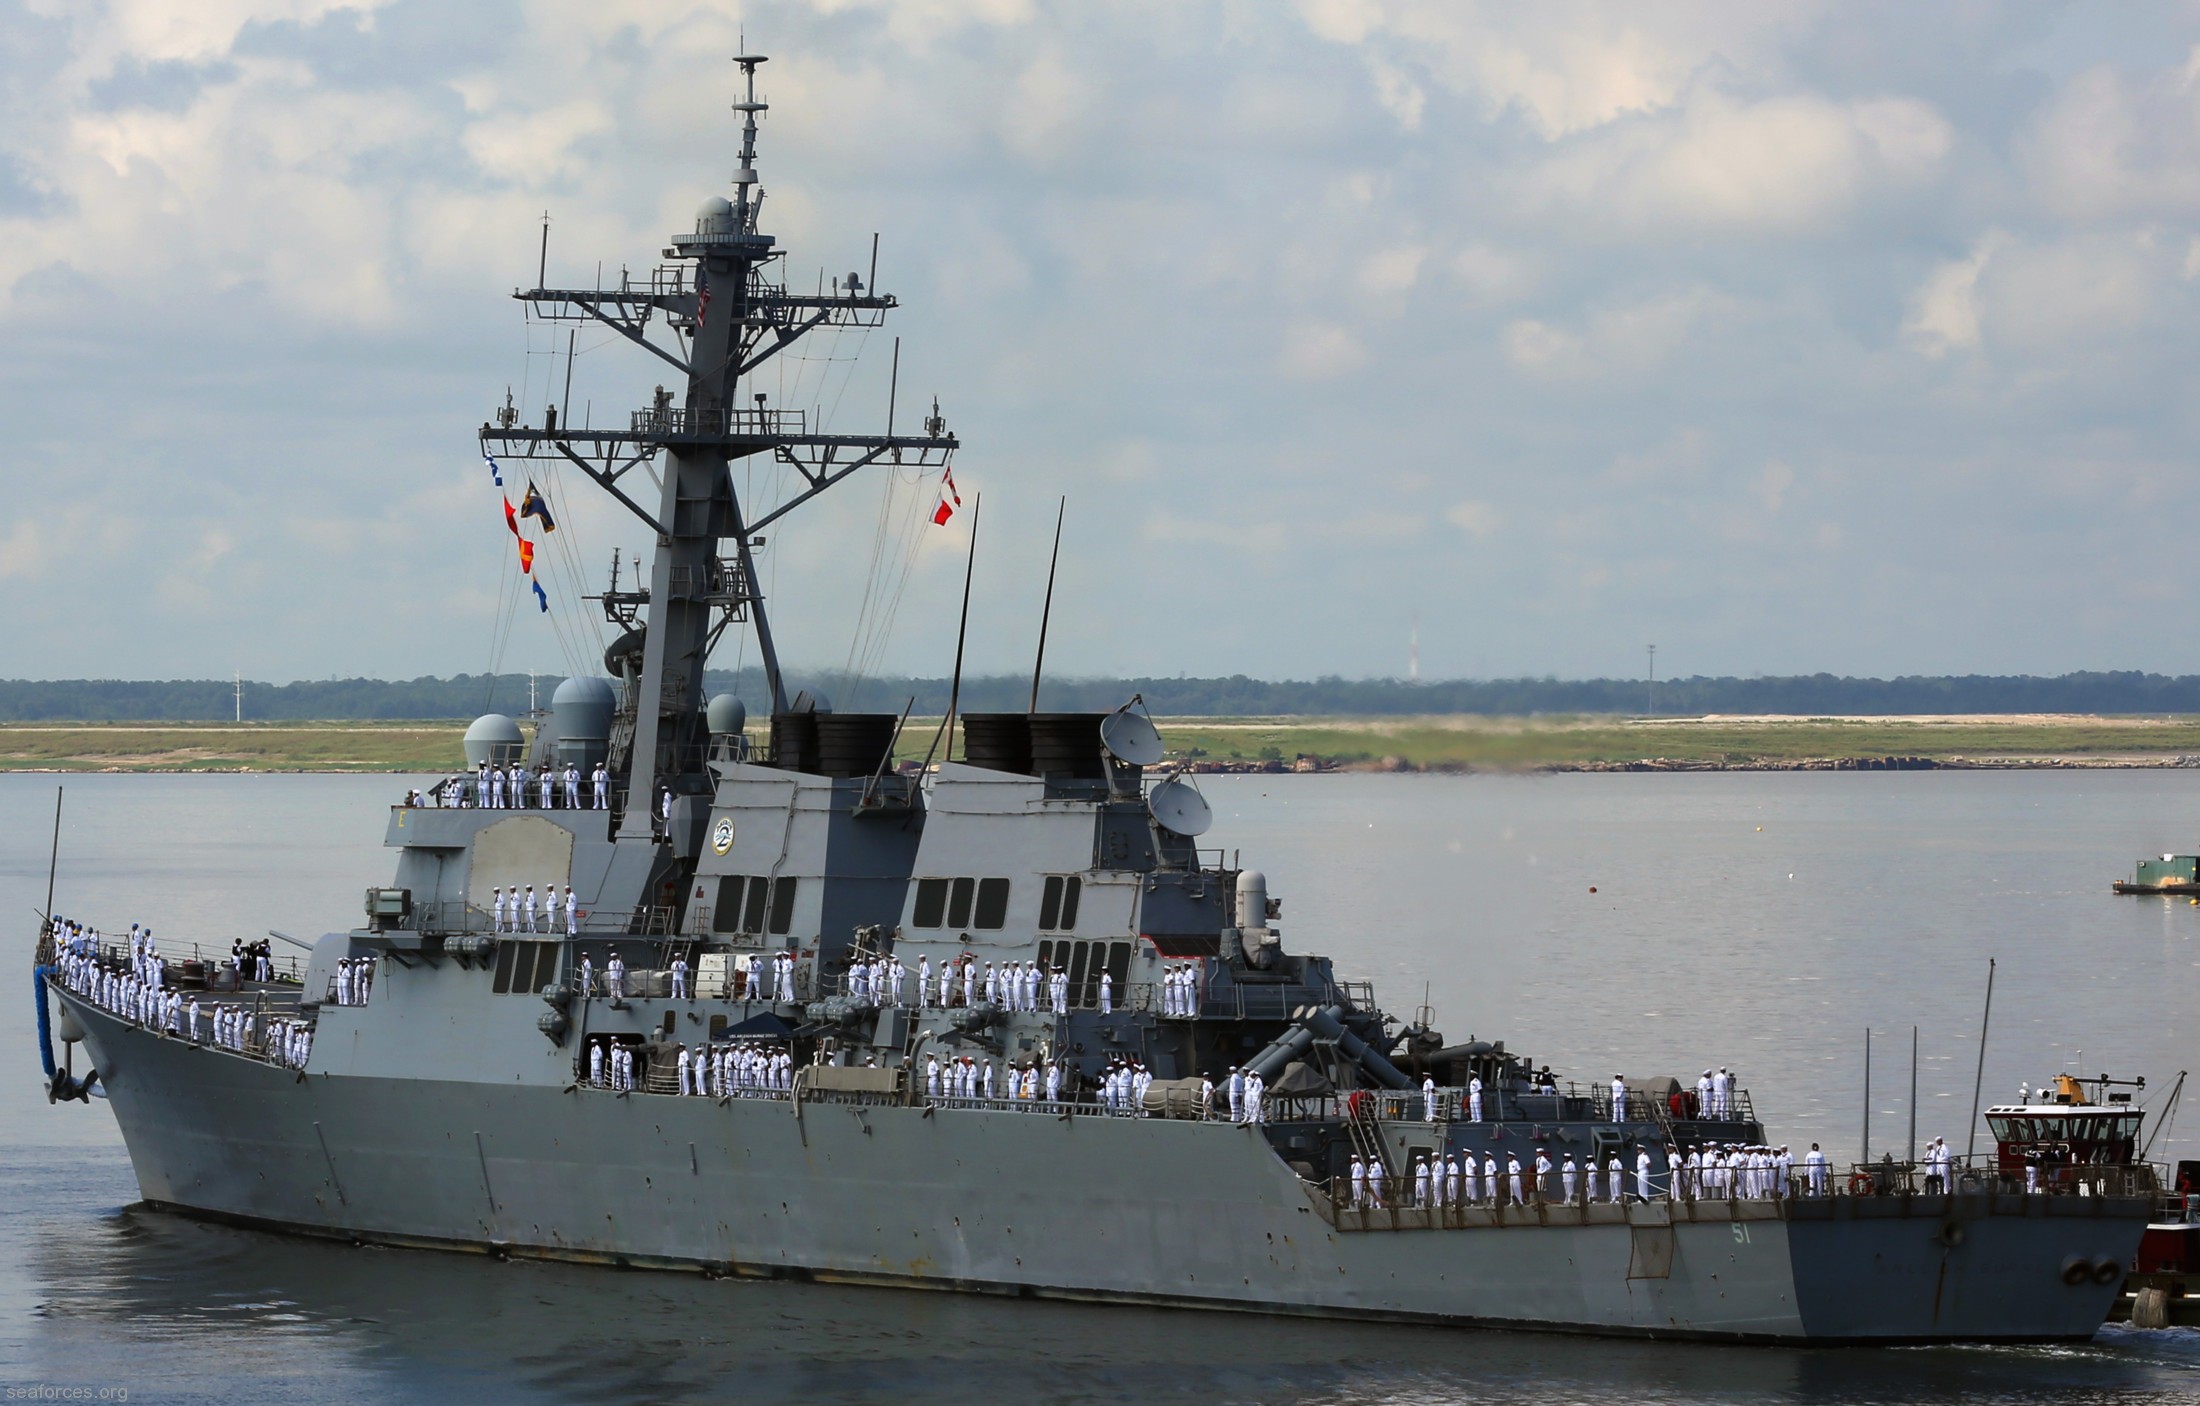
pixel 1058 903
pixel 782 906
pixel 725 915
pixel 959 894
pixel 524 968
pixel 1083 962
pixel 931 907
pixel 992 907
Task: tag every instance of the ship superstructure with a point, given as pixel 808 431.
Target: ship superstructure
pixel 1001 1025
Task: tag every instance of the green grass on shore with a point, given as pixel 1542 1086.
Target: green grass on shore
pixel 1493 743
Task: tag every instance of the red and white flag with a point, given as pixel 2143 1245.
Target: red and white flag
pixel 949 499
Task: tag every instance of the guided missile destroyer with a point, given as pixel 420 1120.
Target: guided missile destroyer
pixel 998 1025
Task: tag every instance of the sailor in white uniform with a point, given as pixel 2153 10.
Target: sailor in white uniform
pixel 550 905
pixel 572 786
pixel 572 914
pixel 492 782
pixel 1428 1097
pixel 1474 1100
pixel 527 909
pixel 602 783
pixel 1107 994
pixel 1512 1176
pixel 1642 1174
pixel 1592 1189
pixel 595 1066
pixel 1420 1183
pixel 1571 1176
pixel 1359 1183
pixel 679 978
pixel 1619 1099
pixel 1375 1182
pixel 1237 1095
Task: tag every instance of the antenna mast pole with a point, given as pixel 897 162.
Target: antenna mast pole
pixel 1913 1096
pixel 1978 1085
pixel 53 860
pixel 1867 1095
pixel 1046 611
pixel 962 632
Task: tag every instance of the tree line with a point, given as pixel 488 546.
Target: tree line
pixel 469 695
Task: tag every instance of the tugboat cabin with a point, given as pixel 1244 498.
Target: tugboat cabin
pixel 2064 1128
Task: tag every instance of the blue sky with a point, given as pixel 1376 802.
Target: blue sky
pixel 1848 337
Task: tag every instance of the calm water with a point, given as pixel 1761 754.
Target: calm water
pixel 1648 924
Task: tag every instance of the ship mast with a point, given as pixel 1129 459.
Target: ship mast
pixel 723 295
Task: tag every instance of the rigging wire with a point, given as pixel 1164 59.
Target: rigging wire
pixel 913 526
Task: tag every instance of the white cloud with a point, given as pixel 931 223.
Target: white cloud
pixel 1045 106
pixel 2116 143
pixel 1620 339
pixel 1789 164
pixel 1944 310
pixel 2012 295
pixel 1561 68
pixel 2085 288
pixel 1477 519
pixel 1393 270
pixel 1319 351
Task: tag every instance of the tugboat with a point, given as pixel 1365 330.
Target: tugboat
pixel 2061 1140
pixel 999 1024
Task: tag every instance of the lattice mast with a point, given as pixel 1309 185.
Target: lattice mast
pixel 723 296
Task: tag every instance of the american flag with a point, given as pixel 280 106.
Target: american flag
pixel 702 301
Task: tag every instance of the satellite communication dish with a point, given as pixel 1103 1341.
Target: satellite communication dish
pixel 1178 808
pixel 1130 737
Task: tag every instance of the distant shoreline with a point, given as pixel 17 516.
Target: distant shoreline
pixel 1262 746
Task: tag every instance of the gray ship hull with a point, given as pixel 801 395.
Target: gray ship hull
pixel 1152 1211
